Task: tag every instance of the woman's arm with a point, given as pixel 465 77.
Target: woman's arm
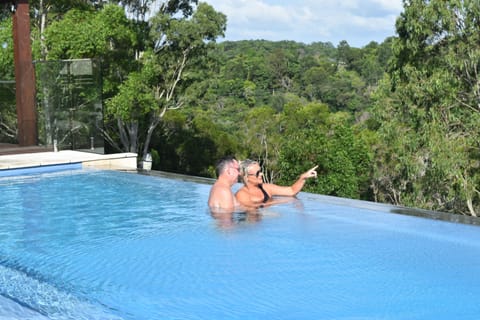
pixel 294 189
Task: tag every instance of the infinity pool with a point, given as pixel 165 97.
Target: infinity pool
pixel 111 245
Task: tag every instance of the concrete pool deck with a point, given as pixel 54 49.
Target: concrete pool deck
pixel 117 161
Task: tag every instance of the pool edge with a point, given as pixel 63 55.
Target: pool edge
pixel 361 204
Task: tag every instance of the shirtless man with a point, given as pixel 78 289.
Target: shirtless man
pixel 221 196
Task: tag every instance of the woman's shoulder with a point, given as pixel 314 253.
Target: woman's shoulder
pixel 242 190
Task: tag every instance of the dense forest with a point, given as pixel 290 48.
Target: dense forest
pixel 395 122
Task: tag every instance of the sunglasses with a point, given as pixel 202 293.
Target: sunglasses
pixel 256 174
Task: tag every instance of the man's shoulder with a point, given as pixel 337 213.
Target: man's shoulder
pixel 218 190
pixel 221 196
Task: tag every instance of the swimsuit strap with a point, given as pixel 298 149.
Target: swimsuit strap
pixel 266 197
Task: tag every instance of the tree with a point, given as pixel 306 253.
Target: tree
pixel 106 35
pixel 46 11
pixel 429 111
pixel 263 138
pixel 8 115
pixel 315 79
pixel 317 137
pixel 191 144
pixel 344 91
pixel 177 35
pixel 176 44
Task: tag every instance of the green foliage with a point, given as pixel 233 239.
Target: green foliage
pixel 138 92
pixel 89 33
pixel 106 34
pixel 345 91
pixel 428 109
pixel 134 100
pixel 6 50
pixel 269 93
pixel 191 146
pixel 8 121
pixel 342 156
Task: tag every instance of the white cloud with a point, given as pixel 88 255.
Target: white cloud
pixel 356 21
pixel 390 5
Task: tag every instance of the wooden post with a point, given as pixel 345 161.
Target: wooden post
pixel 24 76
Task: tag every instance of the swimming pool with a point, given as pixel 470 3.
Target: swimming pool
pixel 81 244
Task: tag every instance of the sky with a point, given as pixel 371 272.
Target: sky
pixel 357 21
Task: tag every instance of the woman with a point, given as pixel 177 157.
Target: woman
pixel 256 194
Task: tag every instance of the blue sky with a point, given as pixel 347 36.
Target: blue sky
pixel 356 21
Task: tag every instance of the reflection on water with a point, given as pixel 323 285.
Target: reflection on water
pixel 229 219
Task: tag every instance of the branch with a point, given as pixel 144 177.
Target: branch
pixel 158 95
pixel 178 74
pixel 467 105
pixel 177 105
pixel 168 92
pixel 109 139
pixel 123 134
pixel 9 132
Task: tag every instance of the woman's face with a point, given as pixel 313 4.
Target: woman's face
pixel 254 173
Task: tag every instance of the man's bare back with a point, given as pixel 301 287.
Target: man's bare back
pixel 221 196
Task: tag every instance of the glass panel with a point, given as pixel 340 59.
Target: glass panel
pixel 70 107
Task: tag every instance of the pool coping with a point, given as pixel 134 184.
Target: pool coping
pixel 50 161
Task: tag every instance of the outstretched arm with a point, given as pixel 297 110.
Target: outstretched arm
pixel 295 188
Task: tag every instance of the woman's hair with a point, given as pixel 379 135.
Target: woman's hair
pixel 244 166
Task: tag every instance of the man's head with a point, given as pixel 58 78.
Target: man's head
pixel 228 166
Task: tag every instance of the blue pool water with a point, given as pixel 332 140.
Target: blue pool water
pixel 110 245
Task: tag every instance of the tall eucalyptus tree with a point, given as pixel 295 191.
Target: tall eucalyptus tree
pixel 429 108
pixel 176 42
pixel 144 61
